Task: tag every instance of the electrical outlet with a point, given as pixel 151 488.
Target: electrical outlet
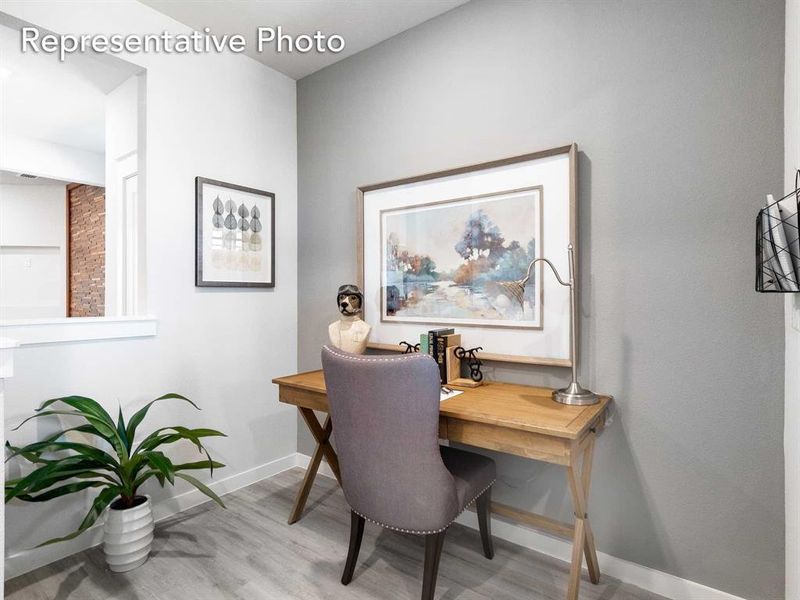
pixel 28 263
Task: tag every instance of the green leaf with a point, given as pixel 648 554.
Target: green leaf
pixel 104 498
pixel 86 406
pixel 48 413
pixel 121 430
pixel 155 439
pixel 19 486
pixel 203 464
pixel 158 438
pixel 195 434
pixel 70 488
pixel 94 413
pixel 101 428
pixel 29 456
pixel 142 479
pixel 93 475
pixel 202 487
pixel 48 474
pixel 50 438
pixel 137 418
pixel 39 448
pixel 83 470
pixel 162 464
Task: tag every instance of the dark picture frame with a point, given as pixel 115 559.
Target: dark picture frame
pixel 202 277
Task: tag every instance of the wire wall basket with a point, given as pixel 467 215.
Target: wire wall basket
pixel 778 244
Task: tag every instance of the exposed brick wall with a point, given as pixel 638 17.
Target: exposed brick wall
pixel 87 251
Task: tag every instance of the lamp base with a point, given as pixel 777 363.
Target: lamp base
pixel 575 395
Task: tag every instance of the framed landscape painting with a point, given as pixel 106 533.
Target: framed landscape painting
pixel 235 235
pixel 443 262
pixel 437 250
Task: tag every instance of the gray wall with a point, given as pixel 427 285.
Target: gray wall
pixel 677 110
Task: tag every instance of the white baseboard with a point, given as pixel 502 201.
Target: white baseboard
pixel 646 578
pixel 28 560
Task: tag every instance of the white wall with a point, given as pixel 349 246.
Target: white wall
pixel 124 225
pixel 220 116
pixel 792 409
pixel 33 259
pixel 21 154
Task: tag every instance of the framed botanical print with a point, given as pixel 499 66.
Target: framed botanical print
pixel 235 243
pixel 437 250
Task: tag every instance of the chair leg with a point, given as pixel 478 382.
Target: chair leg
pixel 356 533
pixel 484 506
pixel 433 551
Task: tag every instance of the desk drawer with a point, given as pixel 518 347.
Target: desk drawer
pixel 511 441
pixel 303 398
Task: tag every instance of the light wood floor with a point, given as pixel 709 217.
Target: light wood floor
pixel 248 552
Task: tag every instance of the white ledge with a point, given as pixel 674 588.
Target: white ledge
pixel 7 346
pixel 77 329
pixel 8 343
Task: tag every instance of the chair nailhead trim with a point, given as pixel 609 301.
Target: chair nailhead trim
pixel 414 356
pixel 415 532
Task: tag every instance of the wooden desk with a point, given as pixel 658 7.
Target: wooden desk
pixel 515 419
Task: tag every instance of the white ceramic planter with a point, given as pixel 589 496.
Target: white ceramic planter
pixel 127 536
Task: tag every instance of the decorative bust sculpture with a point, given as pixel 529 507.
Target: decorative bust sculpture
pixel 350 333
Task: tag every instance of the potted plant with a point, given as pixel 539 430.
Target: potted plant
pixel 118 467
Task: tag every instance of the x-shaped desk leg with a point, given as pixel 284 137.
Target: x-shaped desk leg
pixel 583 540
pixel 322 434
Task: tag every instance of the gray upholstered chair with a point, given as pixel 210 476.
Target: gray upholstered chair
pixel 385 414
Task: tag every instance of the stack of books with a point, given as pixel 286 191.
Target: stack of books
pixel 441 345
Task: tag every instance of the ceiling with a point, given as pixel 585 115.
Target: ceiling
pixel 362 23
pixel 62 103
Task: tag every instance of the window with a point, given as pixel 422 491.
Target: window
pixel 72 203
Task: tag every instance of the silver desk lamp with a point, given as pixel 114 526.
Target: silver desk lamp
pixel 574 393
